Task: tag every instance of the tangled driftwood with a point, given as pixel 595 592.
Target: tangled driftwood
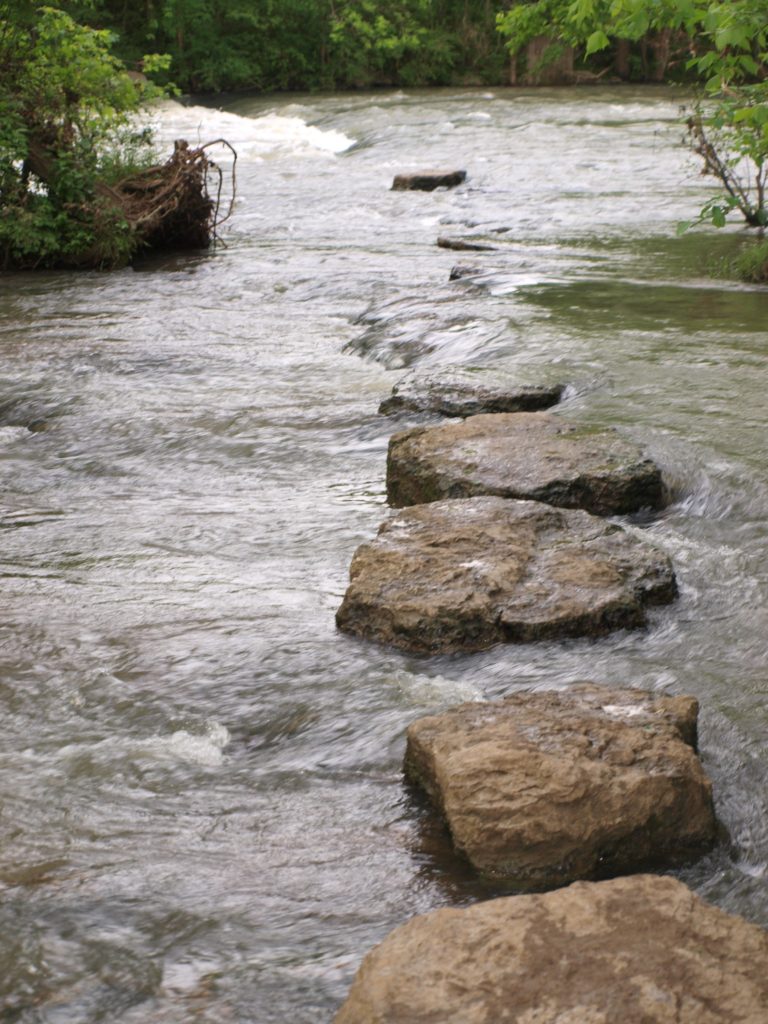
pixel 172 205
pixel 175 205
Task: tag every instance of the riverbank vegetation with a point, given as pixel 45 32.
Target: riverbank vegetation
pixel 80 184
pixel 268 45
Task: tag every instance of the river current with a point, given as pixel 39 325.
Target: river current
pixel 202 814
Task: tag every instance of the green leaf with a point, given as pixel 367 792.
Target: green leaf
pixel 718 216
pixel 597 41
pixel 749 64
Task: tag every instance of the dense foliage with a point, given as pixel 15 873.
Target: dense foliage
pixel 65 134
pixel 310 44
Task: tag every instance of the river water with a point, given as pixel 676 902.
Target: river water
pixel 202 816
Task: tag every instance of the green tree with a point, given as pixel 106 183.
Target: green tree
pixel 308 44
pixel 67 133
pixel 266 44
pixel 728 43
pixel 370 41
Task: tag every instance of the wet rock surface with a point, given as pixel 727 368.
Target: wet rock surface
pixel 525 455
pixel 428 181
pixel 468 393
pixel 462 245
pixel 467 574
pixel 639 950
pixel 549 788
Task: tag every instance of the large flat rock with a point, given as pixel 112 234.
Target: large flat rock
pixel 468 392
pixel 639 950
pixel 467 574
pixel 548 788
pixel 532 455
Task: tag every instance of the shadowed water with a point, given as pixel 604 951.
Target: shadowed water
pixel 202 816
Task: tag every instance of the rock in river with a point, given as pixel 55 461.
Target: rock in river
pixel 461 270
pixel 428 181
pixel 463 245
pixel 467 392
pixel 466 574
pixel 525 455
pixel 548 788
pixel 639 950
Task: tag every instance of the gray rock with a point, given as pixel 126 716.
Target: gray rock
pixel 428 181
pixel 638 950
pixel 526 455
pixel 548 788
pixel 468 392
pixel 467 574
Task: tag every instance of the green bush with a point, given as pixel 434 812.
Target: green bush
pixel 67 133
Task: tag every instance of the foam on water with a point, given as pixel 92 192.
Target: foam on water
pixel 205 749
pixel 423 689
pixel 255 138
pixel 9 435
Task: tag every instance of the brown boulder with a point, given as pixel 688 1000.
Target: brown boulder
pixel 428 181
pixel 547 788
pixel 525 455
pixel 468 392
pixel 464 575
pixel 638 950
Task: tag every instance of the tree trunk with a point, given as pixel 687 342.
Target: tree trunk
pixel 660 47
pixel 513 69
pixel 540 71
pixel 621 59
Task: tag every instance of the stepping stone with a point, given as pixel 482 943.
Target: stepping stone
pixel 639 950
pixel 467 392
pixel 548 788
pixel 428 181
pixel 526 455
pixel 464 575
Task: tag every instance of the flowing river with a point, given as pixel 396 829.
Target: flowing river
pixel 202 814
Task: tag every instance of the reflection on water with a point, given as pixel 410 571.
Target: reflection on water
pixel 625 304
pixel 202 815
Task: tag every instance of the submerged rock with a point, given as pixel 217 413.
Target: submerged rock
pixel 467 574
pixel 461 270
pixel 462 245
pixel 428 181
pixel 548 788
pixel 639 950
pixel 467 392
pixel 527 455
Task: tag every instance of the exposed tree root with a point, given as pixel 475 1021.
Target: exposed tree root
pixel 176 205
